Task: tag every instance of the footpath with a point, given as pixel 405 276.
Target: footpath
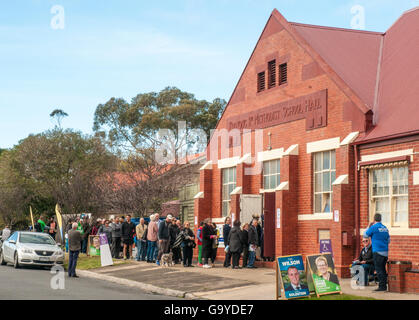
pixel 216 283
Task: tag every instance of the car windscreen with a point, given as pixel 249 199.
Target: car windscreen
pixel 36 239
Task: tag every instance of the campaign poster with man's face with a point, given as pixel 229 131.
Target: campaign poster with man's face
pixel 324 274
pixel 293 277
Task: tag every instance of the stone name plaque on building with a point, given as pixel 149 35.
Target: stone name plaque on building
pixel 312 107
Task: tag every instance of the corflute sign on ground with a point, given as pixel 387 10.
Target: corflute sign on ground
pixel 292 276
pixel 323 273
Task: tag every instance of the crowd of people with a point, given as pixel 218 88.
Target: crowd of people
pixel 161 236
pixel 157 237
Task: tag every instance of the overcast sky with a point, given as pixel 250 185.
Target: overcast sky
pixel 119 48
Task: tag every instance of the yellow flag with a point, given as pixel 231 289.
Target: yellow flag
pixel 59 219
pixel 33 225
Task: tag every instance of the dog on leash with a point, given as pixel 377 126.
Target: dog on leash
pixel 167 260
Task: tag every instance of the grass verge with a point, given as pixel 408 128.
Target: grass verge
pixel 338 297
pixel 85 263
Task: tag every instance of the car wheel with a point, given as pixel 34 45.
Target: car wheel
pixel 2 261
pixel 16 261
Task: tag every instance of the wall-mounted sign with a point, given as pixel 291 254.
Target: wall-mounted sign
pixel 278 218
pixel 326 246
pixel 312 107
pixel 336 215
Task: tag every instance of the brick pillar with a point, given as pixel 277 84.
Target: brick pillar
pixel 235 206
pixel 243 180
pixel 396 275
pixel 286 201
pixel 343 201
pixel 202 208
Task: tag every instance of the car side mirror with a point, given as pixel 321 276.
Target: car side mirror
pixel 12 241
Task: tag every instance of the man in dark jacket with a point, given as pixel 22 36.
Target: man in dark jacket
pixel 174 230
pixel 365 261
pixel 127 235
pixel 207 235
pixel 235 240
pixel 74 246
pixel 86 232
pixel 226 232
pixel 164 237
pixel 116 237
pixel 253 243
pixel 245 236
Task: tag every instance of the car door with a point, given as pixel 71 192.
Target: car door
pixel 9 248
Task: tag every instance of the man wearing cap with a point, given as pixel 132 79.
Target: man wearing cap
pixel 164 237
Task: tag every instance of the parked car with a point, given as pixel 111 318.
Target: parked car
pixel 31 248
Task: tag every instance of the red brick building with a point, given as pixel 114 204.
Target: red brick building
pixel 323 125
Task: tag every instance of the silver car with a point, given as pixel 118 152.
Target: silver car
pixel 31 248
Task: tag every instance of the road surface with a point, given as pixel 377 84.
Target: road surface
pixel 34 283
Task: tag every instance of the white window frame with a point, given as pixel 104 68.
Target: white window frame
pixel 224 197
pixel 391 197
pixel 331 178
pixel 277 174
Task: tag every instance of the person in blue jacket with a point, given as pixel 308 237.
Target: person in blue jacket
pixel 380 240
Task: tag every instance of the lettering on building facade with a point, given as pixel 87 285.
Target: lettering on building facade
pixel 312 107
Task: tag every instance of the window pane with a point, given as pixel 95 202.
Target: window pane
pixel 317 161
pixel 266 182
pixel 225 208
pixel 386 181
pixel 375 176
pixel 225 175
pixel 382 207
pixel 266 168
pixel 225 191
pixel 326 181
pixel 317 203
pixel 278 179
pixel 272 165
pixel 325 202
pixel 272 182
pixel 401 209
pixel 318 183
pixel 333 160
pixel 326 160
pixel 278 166
pixel 333 176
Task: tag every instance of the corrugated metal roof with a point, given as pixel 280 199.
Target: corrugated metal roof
pixel 352 54
pixel 381 68
pixel 397 110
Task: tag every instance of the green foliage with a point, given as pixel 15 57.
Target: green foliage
pixel 134 125
pixel 52 167
pixel 58 115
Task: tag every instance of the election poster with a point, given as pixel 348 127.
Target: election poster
pixel 292 278
pixel 220 232
pixel 323 273
pixel 94 246
pixel 105 251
